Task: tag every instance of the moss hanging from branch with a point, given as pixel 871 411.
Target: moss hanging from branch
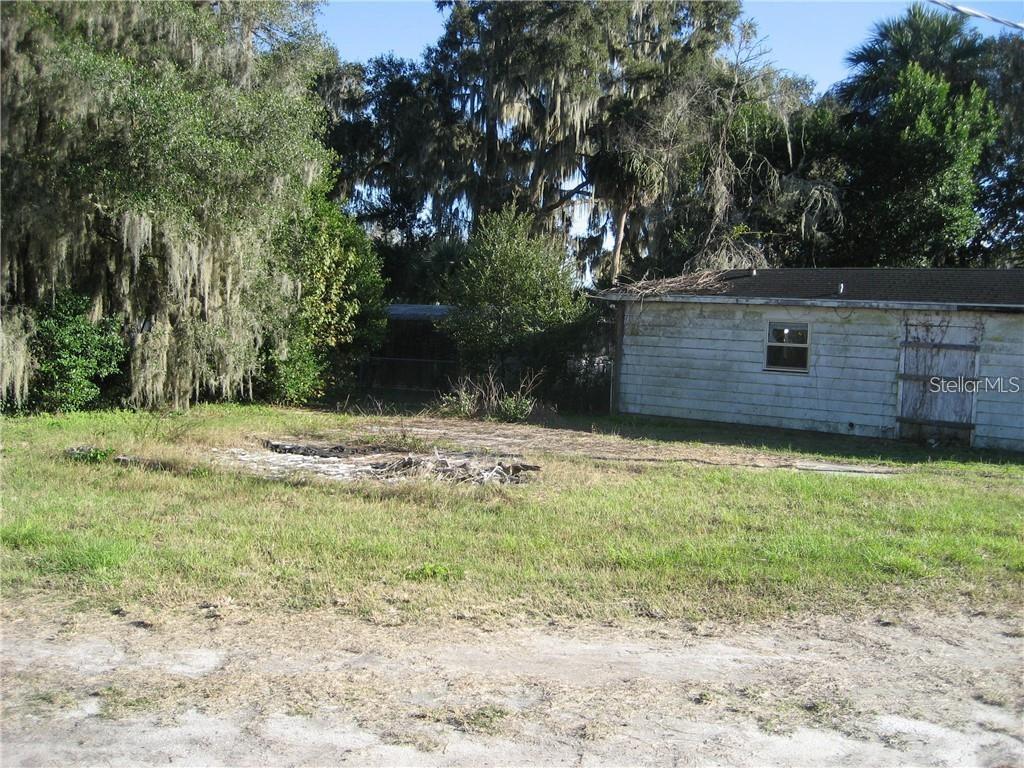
pixel 15 356
pixel 150 150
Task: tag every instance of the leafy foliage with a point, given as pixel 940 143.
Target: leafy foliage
pixel 341 315
pixel 525 103
pixel 515 407
pixel 911 199
pixel 938 42
pixel 662 127
pixel 295 373
pixel 461 401
pixel 74 354
pixel 513 289
pixel 1000 240
pixel 486 396
pixel 149 149
pixel 945 46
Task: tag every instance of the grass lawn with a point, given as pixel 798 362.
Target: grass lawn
pixel 593 538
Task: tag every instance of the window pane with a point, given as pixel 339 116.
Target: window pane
pixel 787 333
pixel 787 357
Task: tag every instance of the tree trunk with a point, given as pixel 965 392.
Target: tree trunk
pixel 620 231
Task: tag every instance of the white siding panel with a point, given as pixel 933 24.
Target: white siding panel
pixel 999 415
pixel 707 362
pixel 861 420
pixel 825 376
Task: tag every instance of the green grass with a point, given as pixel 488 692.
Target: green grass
pixel 600 539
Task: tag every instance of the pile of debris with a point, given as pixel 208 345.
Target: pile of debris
pixel 324 451
pixel 706 283
pixel 470 470
pixel 375 462
pixel 339 462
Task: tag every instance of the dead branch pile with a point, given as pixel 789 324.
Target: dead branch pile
pixel 323 452
pixel 708 282
pixel 469 470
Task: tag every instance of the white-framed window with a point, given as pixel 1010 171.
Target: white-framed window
pixel 788 347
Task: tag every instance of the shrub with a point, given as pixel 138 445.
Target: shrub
pixel 512 288
pixel 341 317
pixel 366 293
pixel 462 402
pixel 514 407
pixel 72 355
pixel 294 374
pixel 487 397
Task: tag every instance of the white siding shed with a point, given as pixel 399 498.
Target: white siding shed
pixel 878 368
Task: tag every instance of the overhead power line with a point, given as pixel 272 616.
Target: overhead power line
pixel 979 14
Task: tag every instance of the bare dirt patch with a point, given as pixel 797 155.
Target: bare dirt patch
pixel 480 452
pixel 229 686
pixel 367 462
pixel 532 440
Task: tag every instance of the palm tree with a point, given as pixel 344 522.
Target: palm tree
pixel 940 43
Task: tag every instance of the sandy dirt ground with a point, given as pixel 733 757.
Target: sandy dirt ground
pixel 468 439
pixel 528 439
pixel 226 686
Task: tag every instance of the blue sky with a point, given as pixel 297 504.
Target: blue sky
pixel 808 38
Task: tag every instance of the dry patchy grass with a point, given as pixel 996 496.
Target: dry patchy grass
pixel 589 538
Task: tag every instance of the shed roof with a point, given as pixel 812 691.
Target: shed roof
pixel 418 311
pixel 969 288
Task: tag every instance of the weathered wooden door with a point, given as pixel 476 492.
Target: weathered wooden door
pixel 938 379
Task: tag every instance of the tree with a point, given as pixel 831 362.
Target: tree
pixel 341 316
pixel 734 167
pixel 939 43
pixel 943 44
pixel 663 60
pixel 1000 239
pixel 149 150
pixel 514 289
pixel 911 199
pixel 395 139
pixel 528 104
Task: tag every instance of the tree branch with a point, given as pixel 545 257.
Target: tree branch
pixel 566 196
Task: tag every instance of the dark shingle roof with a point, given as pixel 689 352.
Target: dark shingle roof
pixel 418 311
pixel 982 287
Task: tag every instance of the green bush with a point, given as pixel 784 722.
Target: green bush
pixel 366 292
pixel 513 288
pixel 341 317
pixel 487 397
pixel 72 355
pixel 461 402
pixel 296 373
pixel 515 407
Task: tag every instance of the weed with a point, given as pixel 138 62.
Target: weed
pixel 89 454
pixel 434 572
pixel 461 402
pixel 55 552
pixel 488 397
pixel 514 407
pixel 401 441
pixel 116 703
pixel 486 719
pixel 43 700
pixel 25 534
